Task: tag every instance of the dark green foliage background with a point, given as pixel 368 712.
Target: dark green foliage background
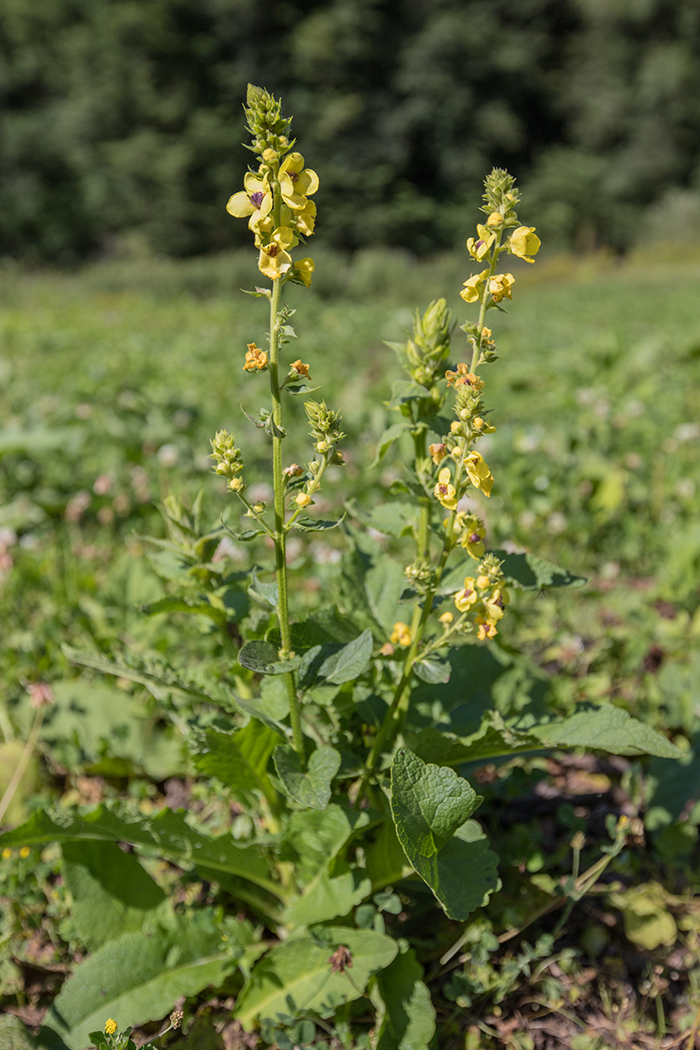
pixel 124 115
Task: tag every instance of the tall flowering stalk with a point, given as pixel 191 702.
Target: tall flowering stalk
pixel 275 199
pixel 451 469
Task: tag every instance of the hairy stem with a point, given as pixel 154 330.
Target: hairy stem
pixel 280 536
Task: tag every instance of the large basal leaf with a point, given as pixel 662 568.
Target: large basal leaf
pixel 328 898
pixel 609 729
pixel 112 893
pixel 312 838
pixel 349 662
pixel 166 833
pixel 139 977
pixel 313 787
pixel 430 806
pixel 407 1013
pixel 238 759
pixel 296 976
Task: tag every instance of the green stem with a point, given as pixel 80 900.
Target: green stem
pixel 280 535
pixel 495 253
pixel 22 764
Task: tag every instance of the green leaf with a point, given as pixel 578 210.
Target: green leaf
pixel 307 524
pixel 328 898
pixel 433 671
pixel 298 389
pixel 394 519
pixel 532 573
pixel 403 390
pixel 609 729
pixel 13 1034
pixel 166 833
pixel 312 838
pixel 493 739
pixel 265 593
pixel 238 759
pixel 390 435
pixel 296 975
pixel 408 1021
pixel 263 658
pixel 313 788
pixel 349 662
pixel 386 860
pixel 112 893
pixel 430 806
pixel 384 584
pixel 139 977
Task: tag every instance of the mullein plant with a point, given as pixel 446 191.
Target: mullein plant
pixel 338 736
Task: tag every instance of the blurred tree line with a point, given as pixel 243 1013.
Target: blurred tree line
pixel 124 116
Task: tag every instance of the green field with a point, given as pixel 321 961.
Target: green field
pixel 112 381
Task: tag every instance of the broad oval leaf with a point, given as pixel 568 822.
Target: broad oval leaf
pixel 263 658
pixel 349 662
pixel 312 788
pixel 296 976
pixel 609 729
pixel 430 806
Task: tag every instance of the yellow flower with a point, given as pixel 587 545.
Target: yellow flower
pixel 437 452
pixel 463 377
pixel 110 1026
pixel 305 219
pixel 303 270
pixel 303 499
pixel 486 629
pixel 296 181
pixel 524 242
pixel 446 618
pixel 486 333
pixel 300 369
pixel 479 247
pixel 255 200
pixel 473 542
pixel 479 473
pixel 444 491
pixel 401 634
pixel 483 582
pixel 495 219
pixel 495 605
pixel 468 597
pixel 24 852
pixel 472 287
pixel 274 259
pixel 6 853
pixel 500 286
pixel 255 359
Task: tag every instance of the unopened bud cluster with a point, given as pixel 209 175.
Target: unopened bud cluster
pixel 325 427
pixel 427 351
pixel 228 462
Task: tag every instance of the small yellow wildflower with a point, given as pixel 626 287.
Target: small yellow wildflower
pixel 305 219
pixel 300 368
pixel 303 499
pixel 486 333
pixel 24 852
pixel 466 598
pixel 274 259
pixel 6 853
pixel 500 286
pixel 401 635
pixel 255 200
pixel 255 359
pixel 296 181
pixel 524 243
pixel 445 492
pixel 303 270
pixel 478 247
pixel 293 470
pixel 387 649
pixel 463 377
pixel 473 286
pixel 486 629
pixel 495 605
pixel 110 1026
pixel 437 452
pixel 473 542
pixel 479 473
pixel 446 618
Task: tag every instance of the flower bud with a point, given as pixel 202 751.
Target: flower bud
pixel 303 499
